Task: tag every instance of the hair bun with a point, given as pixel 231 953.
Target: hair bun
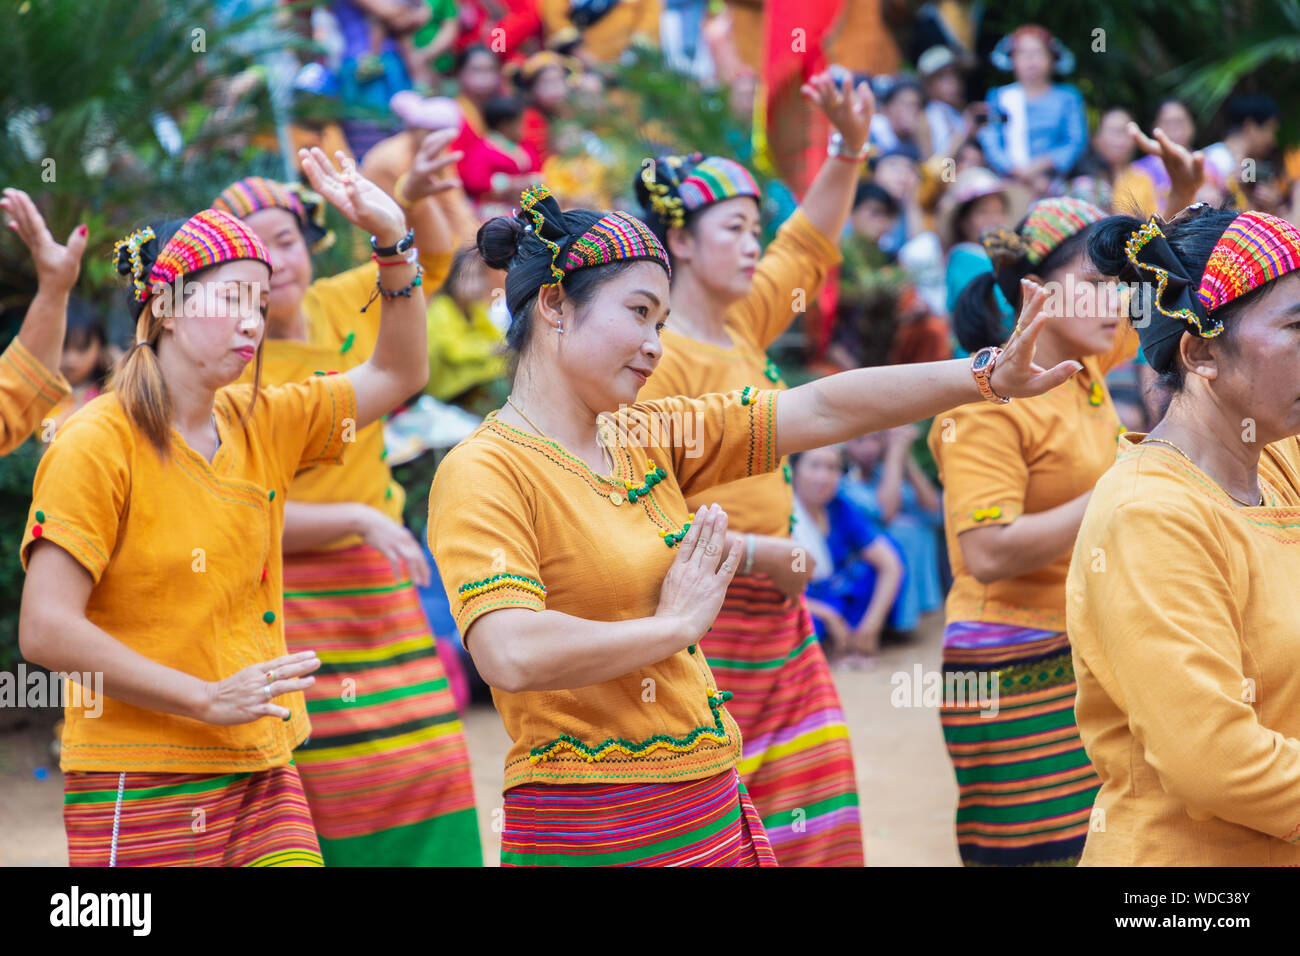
pixel 498 241
pixel 1004 246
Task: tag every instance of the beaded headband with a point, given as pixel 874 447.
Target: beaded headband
pixel 247 196
pixel 616 236
pixel 710 180
pixel 206 239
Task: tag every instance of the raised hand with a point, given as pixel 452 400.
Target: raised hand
pixel 1186 168
pixel 363 203
pixel 248 695
pixel 57 266
pixel 425 177
pixel 1015 375
pixel 849 110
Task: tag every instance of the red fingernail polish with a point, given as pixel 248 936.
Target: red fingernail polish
pixel 82 230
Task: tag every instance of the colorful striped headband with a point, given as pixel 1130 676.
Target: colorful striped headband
pixel 1255 248
pixel 614 237
pixel 247 196
pixel 208 238
pixel 710 180
pixel 1051 221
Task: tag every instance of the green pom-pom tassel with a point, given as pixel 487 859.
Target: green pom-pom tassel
pixel 347 342
pixel 269 617
pixel 40 517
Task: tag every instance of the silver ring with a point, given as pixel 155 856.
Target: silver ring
pixel 267 688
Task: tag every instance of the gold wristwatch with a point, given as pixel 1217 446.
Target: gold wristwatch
pixel 981 366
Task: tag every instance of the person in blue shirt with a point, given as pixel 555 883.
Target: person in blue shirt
pixel 886 483
pixel 856 572
pixel 1036 130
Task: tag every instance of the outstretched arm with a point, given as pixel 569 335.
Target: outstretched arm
pixel 835 408
pixel 398 367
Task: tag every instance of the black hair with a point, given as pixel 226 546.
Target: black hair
pixel 504 242
pixel 163 231
pixel 1191 240
pixel 464 56
pixel 85 325
pixel 1166 101
pixel 670 174
pixel 899 85
pixel 501 110
pixel 1259 107
pixel 976 320
pixel 869 191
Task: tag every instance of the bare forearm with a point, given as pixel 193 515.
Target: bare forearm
pixel 69 643
pixel 829 199
pixel 1030 542
pixel 839 406
pixel 882 598
pixel 551 650
pixel 43 327
pixel 309 525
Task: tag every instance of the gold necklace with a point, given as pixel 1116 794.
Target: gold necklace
pixel 1244 504
pixel 599 441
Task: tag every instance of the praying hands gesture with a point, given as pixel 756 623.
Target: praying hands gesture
pixel 363 203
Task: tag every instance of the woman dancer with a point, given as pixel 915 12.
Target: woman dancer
pixel 728 306
pixel 1016 479
pixel 580 582
pixel 152 548
pixel 386 771
pixel 1181 594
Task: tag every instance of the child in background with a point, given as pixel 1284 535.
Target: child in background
pixel 464 344
pixel 86 361
pixel 856 573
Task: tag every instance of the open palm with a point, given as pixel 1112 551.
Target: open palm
pixel 363 203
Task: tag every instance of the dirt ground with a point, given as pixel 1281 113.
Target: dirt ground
pixel 905 782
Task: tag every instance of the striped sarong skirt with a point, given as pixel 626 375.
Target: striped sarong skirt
pixel 386 770
pixel 796 759
pixel 188 819
pixel 1025 784
pixel 708 822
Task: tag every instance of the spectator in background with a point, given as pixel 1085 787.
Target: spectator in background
pixel 897 173
pixel 597 31
pixel 496 168
pixel 1176 121
pixel 900 120
pixel 464 343
pixel 86 360
pixel 885 481
pixel 856 573
pixel 369 78
pixel 512 27
pixel 681 34
pixel 950 119
pixel 478 79
pixel 546 82
pixel 1036 130
pixel 875 213
pixel 969 153
pixel 1101 176
pixel 1253 120
pixel 977 201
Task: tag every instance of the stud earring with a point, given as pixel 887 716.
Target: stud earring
pixel 559 328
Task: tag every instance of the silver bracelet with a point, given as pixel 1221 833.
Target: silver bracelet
pixel 749 554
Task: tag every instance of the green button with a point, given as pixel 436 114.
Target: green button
pixel 269 617
pixel 271 496
pixel 40 516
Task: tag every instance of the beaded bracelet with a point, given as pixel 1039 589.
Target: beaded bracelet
pixel 403 292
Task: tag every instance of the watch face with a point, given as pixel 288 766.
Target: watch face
pixel 981 360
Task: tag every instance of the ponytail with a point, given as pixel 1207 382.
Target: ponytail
pixel 976 319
